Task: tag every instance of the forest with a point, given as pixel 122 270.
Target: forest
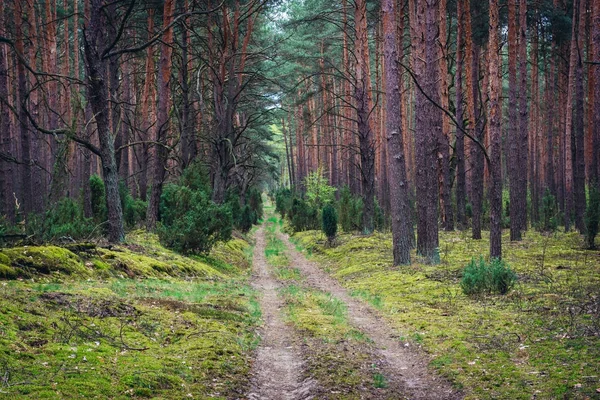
pixel 268 170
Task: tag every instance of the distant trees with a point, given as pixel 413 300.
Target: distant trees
pixel 454 136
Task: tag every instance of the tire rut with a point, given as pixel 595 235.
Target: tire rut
pixel 277 369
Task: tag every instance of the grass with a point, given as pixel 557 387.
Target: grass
pixel 541 339
pixel 175 328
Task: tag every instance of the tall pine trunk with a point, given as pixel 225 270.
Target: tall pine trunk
pixel 159 162
pixel 398 185
pixel 495 129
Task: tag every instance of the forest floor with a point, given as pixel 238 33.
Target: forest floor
pixel 133 321
pixel 541 340
pixel 307 321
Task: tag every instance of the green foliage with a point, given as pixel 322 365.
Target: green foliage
pixel 318 192
pixel 481 277
pixel 190 221
pixel 330 221
pixel 283 201
pixel 98 198
pixel 548 213
pixel 302 216
pixel 380 220
pixel 134 210
pixel 350 211
pixel 246 219
pixel 65 219
pixel 256 204
pixel 592 216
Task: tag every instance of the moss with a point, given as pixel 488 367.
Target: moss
pixel 7 272
pixel 29 261
pixel 513 346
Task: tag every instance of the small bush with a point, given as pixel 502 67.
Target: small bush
pixel 481 277
pixel 190 221
pixel 98 198
pixel 283 201
pixel 302 216
pixel 318 191
pixel 134 210
pixel 64 220
pixel 549 215
pixel 592 216
pixel 350 211
pixel 330 221
pixel 256 204
pixel 246 219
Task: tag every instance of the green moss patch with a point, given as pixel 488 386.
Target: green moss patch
pixel 35 260
pixel 184 328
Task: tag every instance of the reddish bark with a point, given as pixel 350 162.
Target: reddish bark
pixel 495 130
pixel 161 129
pixel 398 185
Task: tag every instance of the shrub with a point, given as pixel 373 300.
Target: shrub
pixel 549 213
pixel 318 192
pixel 283 201
pixel 330 221
pixel 380 219
pixel 256 204
pixel 64 219
pixel 190 221
pixel 592 216
pixel 350 211
pixel 98 198
pixel 481 277
pixel 302 216
pixel 345 209
pixel 246 219
pixel 134 210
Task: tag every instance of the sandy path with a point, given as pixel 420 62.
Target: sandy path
pixel 277 369
pixel 402 364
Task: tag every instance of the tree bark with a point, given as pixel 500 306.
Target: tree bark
pixel 459 150
pixel 578 128
pixel 161 129
pixel 495 129
pixel 398 185
pixel 364 109
pixel 98 97
pixel 595 175
pixel 523 137
pixel 514 153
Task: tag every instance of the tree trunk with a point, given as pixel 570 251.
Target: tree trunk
pixel 364 108
pixel 26 195
pixel 578 128
pixel 7 202
pixel 159 162
pixel 514 153
pixel 459 150
pixel 523 137
pixel 595 175
pixel 428 125
pixel 398 185
pixel 495 129
pixel 443 144
pixel 98 98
